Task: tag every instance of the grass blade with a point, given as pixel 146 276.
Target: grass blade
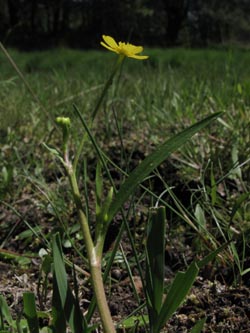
pixel 153 161
pixel 29 308
pixel 177 294
pixel 155 262
pixel 238 203
pixel 5 313
pixel 58 316
pixel 211 256
pixel 69 305
pixel 180 288
pixel 198 326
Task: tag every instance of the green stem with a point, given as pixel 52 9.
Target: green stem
pixel 93 256
pixel 101 300
pixel 98 104
pixel 78 152
pixel 83 220
pixel 94 253
pixel 108 83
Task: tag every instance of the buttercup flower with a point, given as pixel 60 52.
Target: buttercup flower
pixel 125 49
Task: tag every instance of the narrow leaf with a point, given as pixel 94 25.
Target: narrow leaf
pixel 5 311
pixel 200 217
pixel 177 294
pixel 238 203
pixel 245 271
pixel 211 256
pixel 29 308
pixel 235 158
pixel 70 307
pixel 53 151
pixel 99 188
pixel 213 187
pixel 153 161
pixel 58 316
pixel 198 326
pixel 156 260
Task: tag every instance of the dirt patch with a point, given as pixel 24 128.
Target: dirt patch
pixel 226 308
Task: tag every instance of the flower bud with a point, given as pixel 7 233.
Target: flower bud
pixel 64 123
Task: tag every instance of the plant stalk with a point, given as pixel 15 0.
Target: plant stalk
pixel 101 300
pixel 107 85
pixel 93 257
pixel 98 104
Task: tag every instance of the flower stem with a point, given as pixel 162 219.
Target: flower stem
pixel 94 253
pixel 94 258
pixel 98 104
pixel 108 83
pixel 98 287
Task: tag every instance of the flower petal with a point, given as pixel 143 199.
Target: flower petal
pixel 137 57
pixel 123 49
pixel 109 48
pixel 134 49
pixel 110 41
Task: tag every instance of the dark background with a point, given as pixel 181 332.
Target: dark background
pixel 41 24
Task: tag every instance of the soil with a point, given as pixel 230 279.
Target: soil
pixel 215 294
pixel 226 308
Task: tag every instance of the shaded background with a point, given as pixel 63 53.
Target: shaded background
pixel 41 24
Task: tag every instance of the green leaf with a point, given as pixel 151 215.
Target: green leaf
pixel 58 315
pixel 132 322
pixel 98 188
pixel 180 288
pixel 46 330
pixel 7 174
pixel 211 256
pixel 177 294
pixel 247 270
pixel 213 187
pixel 235 158
pixel 238 203
pixel 63 298
pixel 29 309
pixel 200 217
pixel 105 207
pixel 102 205
pixel 22 325
pixel 54 152
pixel 155 264
pixel 153 161
pixel 198 326
pixel 5 312
pixel 46 264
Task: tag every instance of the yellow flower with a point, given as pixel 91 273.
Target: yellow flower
pixel 125 49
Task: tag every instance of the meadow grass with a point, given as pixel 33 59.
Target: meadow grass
pixel 172 83
pixel 155 98
pixel 171 90
pixel 148 103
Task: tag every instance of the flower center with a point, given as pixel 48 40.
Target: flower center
pixel 123 48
